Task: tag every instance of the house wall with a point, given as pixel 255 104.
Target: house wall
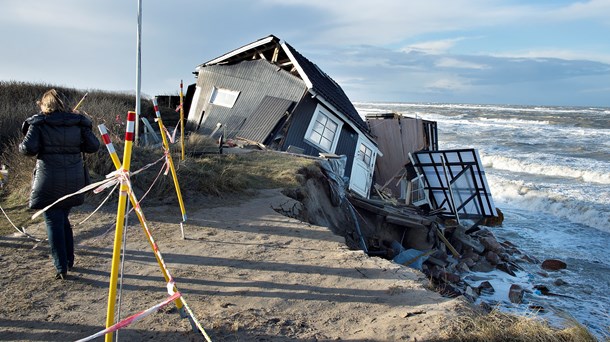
pixel 299 122
pixel 254 80
pixel 396 137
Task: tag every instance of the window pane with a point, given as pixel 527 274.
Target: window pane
pixel 326 143
pixel 316 137
pixel 224 97
pixel 330 135
pixel 318 127
pixel 331 126
pixel 322 119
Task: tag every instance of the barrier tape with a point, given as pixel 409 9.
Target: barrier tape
pixel 83 190
pixel 132 319
pixel 151 240
pixel 23 229
pixel 170 136
pixel 99 206
pixel 112 179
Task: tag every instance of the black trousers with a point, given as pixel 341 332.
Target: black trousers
pixel 61 238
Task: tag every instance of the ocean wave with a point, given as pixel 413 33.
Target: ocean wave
pixel 555 170
pixel 490 107
pixel 525 196
pixel 516 121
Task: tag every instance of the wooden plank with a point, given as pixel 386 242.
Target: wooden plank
pixel 376 203
pixel 446 242
pixel 252 142
pixel 369 207
pixel 401 221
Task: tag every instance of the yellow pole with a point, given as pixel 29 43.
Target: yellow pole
pixel 80 102
pixel 181 120
pixel 139 213
pixel 118 234
pixel 169 159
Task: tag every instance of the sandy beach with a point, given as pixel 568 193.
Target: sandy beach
pixel 247 272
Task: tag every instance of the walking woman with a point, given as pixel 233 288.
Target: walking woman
pixel 57 137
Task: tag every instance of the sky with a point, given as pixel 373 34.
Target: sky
pixel 460 51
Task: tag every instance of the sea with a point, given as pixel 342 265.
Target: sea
pixel 548 168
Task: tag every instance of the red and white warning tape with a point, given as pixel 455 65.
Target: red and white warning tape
pixel 137 317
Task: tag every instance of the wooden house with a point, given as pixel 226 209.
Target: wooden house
pixel 268 93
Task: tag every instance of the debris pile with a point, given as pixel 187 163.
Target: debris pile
pixel 448 253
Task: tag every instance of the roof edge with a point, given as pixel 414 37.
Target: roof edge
pixel 237 51
pixel 296 64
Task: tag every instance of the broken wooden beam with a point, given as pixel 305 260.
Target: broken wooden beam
pixel 403 221
pixel 446 242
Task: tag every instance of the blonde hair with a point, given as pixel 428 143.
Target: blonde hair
pixel 51 102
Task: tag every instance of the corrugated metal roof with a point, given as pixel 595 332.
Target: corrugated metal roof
pixel 314 77
pixel 266 116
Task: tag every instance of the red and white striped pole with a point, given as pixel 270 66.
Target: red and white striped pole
pixel 120 220
pixel 169 159
pixel 109 146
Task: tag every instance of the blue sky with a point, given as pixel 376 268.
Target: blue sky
pixel 460 51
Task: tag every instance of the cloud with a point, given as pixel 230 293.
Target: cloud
pixel 66 15
pixel 594 9
pixel 367 73
pixel 388 49
pixel 433 47
pixel 387 22
pixel 556 53
pixel 449 62
pixel 454 84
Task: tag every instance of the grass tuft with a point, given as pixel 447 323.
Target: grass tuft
pixel 474 326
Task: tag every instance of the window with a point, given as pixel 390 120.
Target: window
pixel 324 130
pixel 224 97
pixel 365 154
pixel 418 191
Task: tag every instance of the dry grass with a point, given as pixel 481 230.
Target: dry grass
pixel 474 326
pixel 214 175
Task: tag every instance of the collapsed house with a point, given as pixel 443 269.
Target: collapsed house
pixel 267 93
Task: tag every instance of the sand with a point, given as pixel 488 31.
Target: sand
pixel 247 272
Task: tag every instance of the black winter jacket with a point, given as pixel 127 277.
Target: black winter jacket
pixel 57 140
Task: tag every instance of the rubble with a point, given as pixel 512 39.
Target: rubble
pixel 445 251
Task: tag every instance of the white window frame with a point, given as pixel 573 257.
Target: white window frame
pixel 366 154
pixel 224 97
pixel 419 195
pixel 322 112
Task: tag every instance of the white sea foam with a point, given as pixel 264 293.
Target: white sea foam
pixel 491 108
pixel 549 168
pixel 514 121
pixel 553 169
pixel 527 196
